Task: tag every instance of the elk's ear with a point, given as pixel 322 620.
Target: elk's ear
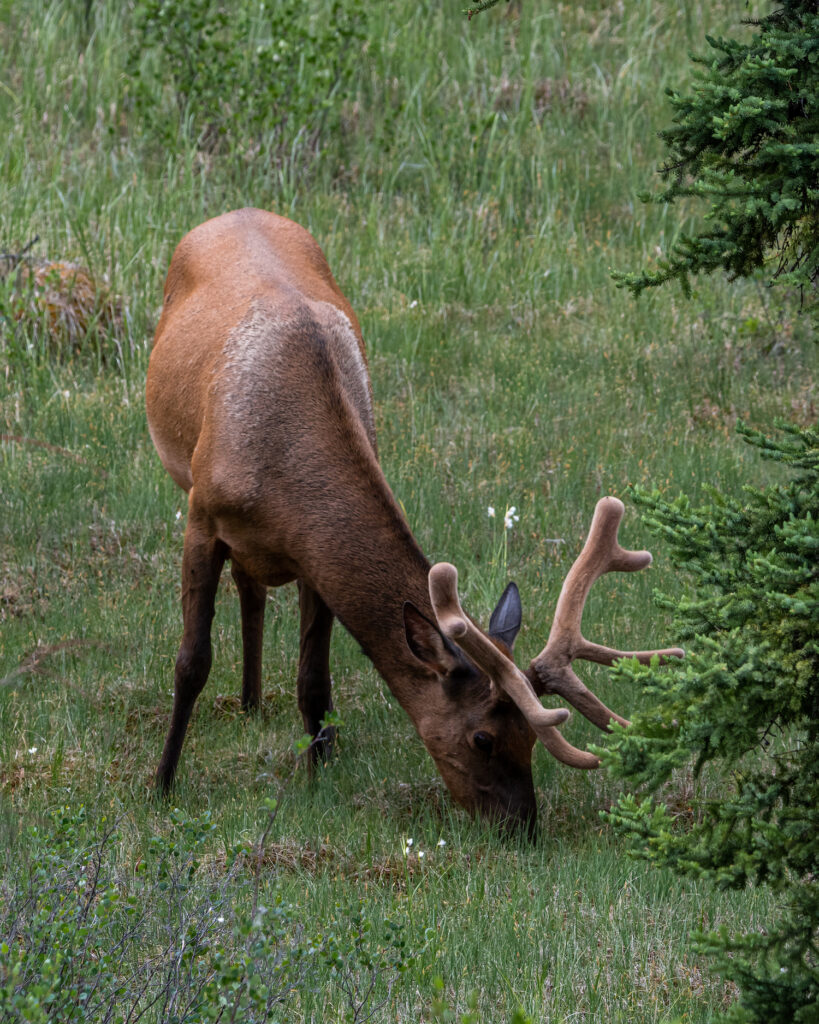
pixel 428 643
pixel 505 621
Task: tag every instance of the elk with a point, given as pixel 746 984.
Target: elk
pixel 260 407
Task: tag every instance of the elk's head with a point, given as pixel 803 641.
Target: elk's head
pixel 483 745
pixel 479 740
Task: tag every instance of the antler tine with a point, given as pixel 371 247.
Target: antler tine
pixel 601 553
pixel 459 628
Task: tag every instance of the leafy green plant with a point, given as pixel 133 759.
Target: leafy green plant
pixel 745 701
pixel 245 73
pixel 169 941
pixel 482 5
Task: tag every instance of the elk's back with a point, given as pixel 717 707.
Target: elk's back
pixel 255 341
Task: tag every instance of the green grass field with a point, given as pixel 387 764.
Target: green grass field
pixel 473 191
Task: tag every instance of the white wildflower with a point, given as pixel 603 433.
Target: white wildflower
pixel 510 518
pixel 178 514
pixel 442 842
pixel 420 854
pixel 413 304
pixel 490 512
pixel 32 750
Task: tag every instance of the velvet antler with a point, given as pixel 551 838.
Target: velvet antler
pixel 552 668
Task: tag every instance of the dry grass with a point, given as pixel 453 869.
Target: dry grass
pixel 59 300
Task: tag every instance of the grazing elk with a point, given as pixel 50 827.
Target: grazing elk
pixel 259 404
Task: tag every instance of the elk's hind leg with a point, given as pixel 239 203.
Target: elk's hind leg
pixel 252 597
pixel 202 561
pixel 314 682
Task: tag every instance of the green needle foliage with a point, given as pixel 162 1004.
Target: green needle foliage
pixel 745 701
pixel 746 139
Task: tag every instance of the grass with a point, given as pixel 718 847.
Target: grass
pixel 472 193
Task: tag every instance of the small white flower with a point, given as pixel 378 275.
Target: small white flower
pixel 510 518
pixel 220 919
pixel 442 842
pixel 66 395
pixel 490 512
pixel 32 750
pixel 178 514
pixel 409 842
pixel 420 854
pixel 413 304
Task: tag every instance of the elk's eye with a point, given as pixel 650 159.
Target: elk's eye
pixel 483 741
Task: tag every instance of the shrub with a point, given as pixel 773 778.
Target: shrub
pixel 56 307
pixel 245 75
pixel 177 937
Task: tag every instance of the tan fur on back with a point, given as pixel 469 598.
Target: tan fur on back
pixel 234 285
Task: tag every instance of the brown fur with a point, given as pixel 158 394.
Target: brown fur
pixel 260 408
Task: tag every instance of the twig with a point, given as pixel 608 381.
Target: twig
pixel 484 5
pixel 31 663
pixel 13 258
pixel 47 446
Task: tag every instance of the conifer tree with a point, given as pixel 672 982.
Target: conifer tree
pixel 746 140
pixel 744 706
pixel 744 703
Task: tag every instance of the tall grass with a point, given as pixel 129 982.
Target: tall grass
pixel 479 191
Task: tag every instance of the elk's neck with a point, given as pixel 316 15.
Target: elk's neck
pixel 368 568
pixel 365 567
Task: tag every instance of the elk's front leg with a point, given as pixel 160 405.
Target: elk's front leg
pixel 314 683
pixel 202 561
pixel 252 602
